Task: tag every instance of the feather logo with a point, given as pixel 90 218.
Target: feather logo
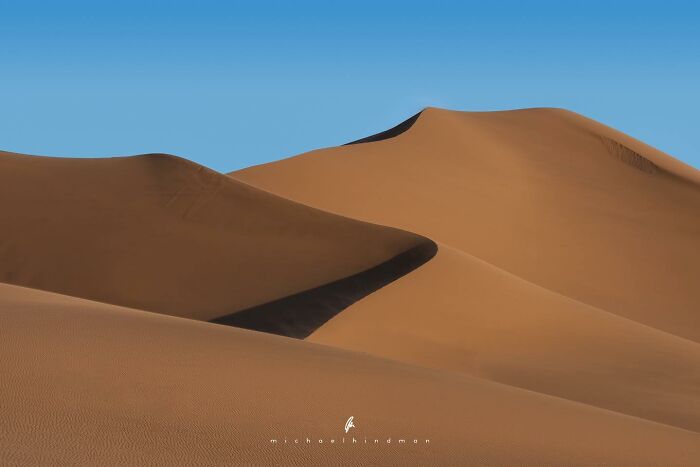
pixel 349 424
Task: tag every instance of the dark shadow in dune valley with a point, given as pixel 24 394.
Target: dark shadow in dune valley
pixel 301 314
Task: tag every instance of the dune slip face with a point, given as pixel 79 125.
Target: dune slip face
pixel 301 314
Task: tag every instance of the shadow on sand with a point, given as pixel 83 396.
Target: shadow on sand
pixel 390 133
pixel 301 314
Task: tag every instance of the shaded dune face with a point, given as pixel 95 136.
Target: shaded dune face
pixel 301 314
pixel 390 133
pixel 163 234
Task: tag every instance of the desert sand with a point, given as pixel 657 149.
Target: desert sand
pixel 545 194
pixel 502 288
pixel 87 383
pixel 160 233
pixel 568 255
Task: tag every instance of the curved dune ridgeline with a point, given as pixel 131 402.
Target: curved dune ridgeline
pixel 301 314
pixel 568 262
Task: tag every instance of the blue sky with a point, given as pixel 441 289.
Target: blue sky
pixel 231 84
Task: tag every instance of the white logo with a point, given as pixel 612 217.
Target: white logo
pixel 349 424
pixel 302 439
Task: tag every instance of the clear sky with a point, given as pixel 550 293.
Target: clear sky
pixel 230 84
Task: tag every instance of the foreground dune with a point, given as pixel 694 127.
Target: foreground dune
pixel 568 260
pixel 459 313
pixel 132 388
pixel 163 234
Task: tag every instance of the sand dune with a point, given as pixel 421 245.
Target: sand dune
pixel 133 388
pixel 568 257
pixel 163 234
pixel 535 192
pixel 459 313
pixel 518 288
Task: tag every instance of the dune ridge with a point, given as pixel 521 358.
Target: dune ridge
pixel 301 314
pixel 628 156
pixel 163 234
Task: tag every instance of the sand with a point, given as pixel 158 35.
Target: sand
pixel 86 383
pixel 462 314
pixel 503 288
pixel 159 233
pixel 568 263
pixel 537 192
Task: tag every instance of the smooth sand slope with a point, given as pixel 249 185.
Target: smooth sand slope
pixel 458 313
pixel 568 264
pixel 85 383
pixel 163 234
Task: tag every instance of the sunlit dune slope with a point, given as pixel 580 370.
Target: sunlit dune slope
pixel 133 388
pixel 459 313
pixel 553 197
pixel 163 234
pixel 568 262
